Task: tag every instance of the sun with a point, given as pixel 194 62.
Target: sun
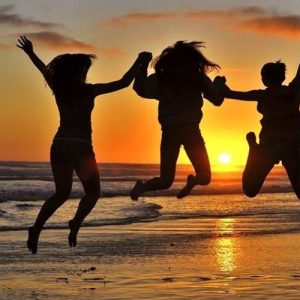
pixel 224 158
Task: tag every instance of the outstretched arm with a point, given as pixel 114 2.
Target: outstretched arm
pixel 253 95
pixel 27 47
pixel 125 81
pixel 223 89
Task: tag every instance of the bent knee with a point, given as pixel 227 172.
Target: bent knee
pixel 250 191
pixel 203 179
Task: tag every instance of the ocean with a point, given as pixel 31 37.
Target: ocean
pixel 25 185
pixel 213 244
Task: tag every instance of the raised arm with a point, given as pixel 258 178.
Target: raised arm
pixel 146 86
pixel 125 81
pixel 27 47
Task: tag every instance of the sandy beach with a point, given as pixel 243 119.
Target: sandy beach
pixel 165 259
pixel 214 244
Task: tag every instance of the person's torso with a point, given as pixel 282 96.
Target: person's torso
pixel 280 109
pixel 75 111
pixel 180 103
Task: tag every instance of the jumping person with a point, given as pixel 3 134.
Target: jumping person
pixel 279 138
pixel 179 84
pixel 72 145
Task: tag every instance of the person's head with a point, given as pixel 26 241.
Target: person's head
pixel 273 74
pixel 183 55
pixel 67 71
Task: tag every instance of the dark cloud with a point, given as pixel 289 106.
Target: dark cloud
pixel 7 17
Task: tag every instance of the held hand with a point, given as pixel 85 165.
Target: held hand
pixel 219 80
pixel 220 84
pixel 25 44
pixel 145 57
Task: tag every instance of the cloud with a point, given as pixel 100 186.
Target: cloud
pixel 57 41
pixel 288 26
pixel 140 17
pixel 190 15
pixel 5 46
pixel 111 52
pixel 250 19
pixel 229 13
pixel 6 8
pixel 12 19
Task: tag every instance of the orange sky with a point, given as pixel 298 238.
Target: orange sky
pixel 125 129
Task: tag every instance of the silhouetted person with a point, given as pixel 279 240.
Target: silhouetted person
pixel 280 133
pixel 72 146
pixel 179 84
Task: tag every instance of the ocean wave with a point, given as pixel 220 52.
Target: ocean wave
pixel 26 181
pixel 28 190
pixel 2 212
pixel 199 233
pixel 18 216
pixel 25 205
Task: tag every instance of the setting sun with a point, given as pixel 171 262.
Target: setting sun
pixel 224 158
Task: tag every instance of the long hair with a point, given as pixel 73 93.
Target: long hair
pixel 184 53
pixel 68 71
pixel 181 65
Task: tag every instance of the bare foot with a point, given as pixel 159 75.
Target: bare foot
pixel 136 191
pixel 190 183
pixel 72 238
pixel 33 239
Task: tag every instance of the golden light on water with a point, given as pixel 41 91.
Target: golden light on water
pixel 225 247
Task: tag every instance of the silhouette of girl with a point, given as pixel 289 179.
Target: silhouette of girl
pixel 280 133
pixel 72 146
pixel 179 84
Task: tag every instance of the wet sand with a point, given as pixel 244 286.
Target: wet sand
pixel 151 260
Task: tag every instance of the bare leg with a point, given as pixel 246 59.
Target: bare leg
pixel 63 176
pixel 168 159
pixel 258 166
pixel 291 163
pixel 87 171
pixel 196 151
pixel 48 209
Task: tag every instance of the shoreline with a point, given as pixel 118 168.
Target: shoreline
pixel 143 261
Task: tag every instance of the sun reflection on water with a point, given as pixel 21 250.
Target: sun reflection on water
pixel 225 247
